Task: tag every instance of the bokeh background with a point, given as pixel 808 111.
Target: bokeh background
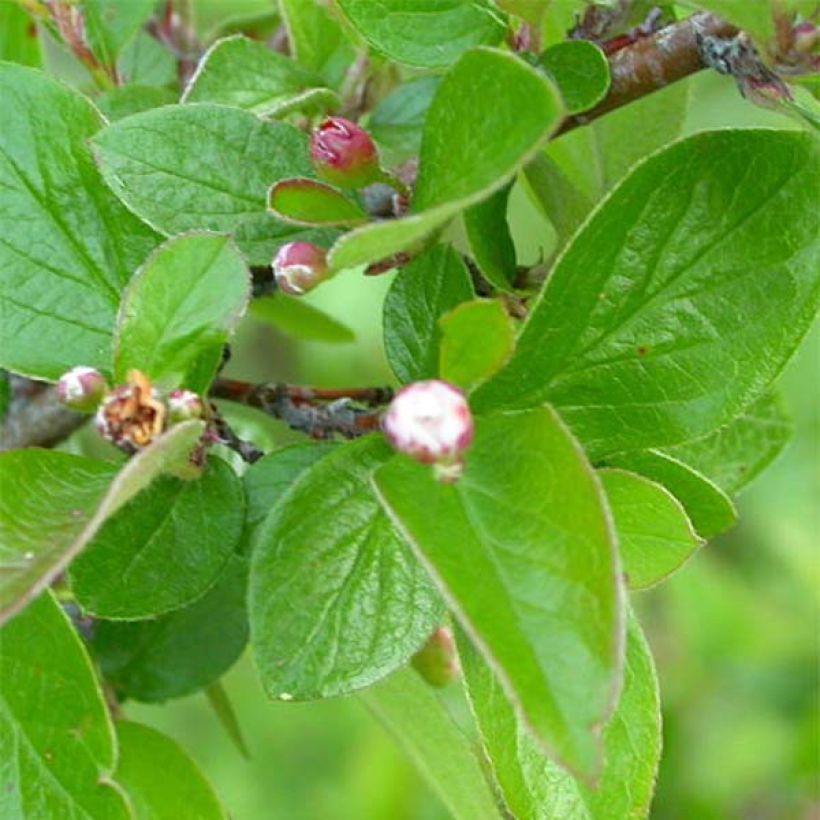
pixel 735 632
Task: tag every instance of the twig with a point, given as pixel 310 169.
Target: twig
pixel 37 420
pixel 222 433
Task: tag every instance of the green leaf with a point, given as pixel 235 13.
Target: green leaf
pixel 708 507
pixel 185 301
pixel 111 24
pixel 161 551
pixel 581 72
pixel 247 74
pixel 181 652
pixel 222 707
pixel 325 560
pixel 735 454
pixel 161 779
pixel 533 787
pixel 477 338
pixel 490 241
pixel 522 548
pixel 294 316
pixel 397 121
pixel 221 186
pixel 58 751
pixel 131 99
pixel 418 720
pixel 655 535
pixel 68 245
pixel 308 202
pixel 755 18
pixel 422 292
pixel 425 33
pixel 668 294
pixel 54 503
pixel 490 114
pixel 146 61
pixel 19 42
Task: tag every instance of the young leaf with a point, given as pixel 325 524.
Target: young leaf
pixel 222 707
pixel 490 240
pixel 533 787
pixel 414 714
pixel 581 72
pixel 18 42
pixel 161 779
pixel 185 301
pixel 521 547
pixel 247 74
pixel 710 510
pixel 308 202
pixel 58 751
pixel 490 114
pixel 161 551
pixel 68 245
pixel 477 338
pixel 221 186
pixel 668 294
pixel 294 316
pixel 111 24
pixel 324 562
pixel 655 536
pixel 425 33
pixel 422 292
pixel 181 652
pixel 735 454
pixel 53 504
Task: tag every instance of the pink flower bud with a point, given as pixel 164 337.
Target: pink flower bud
pixel 344 154
pixel 431 421
pixel 81 388
pixel 300 267
pixel 437 660
pixel 184 405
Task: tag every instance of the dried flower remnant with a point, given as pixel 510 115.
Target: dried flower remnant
pixel 132 415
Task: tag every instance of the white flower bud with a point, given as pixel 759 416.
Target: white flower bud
pixel 184 405
pixel 431 422
pixel 81 388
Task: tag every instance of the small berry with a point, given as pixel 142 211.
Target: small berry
pixel 184 405
pixel 344 154
pixel 299 267
pixel 81 388
pixel 437 660
pixel 431 422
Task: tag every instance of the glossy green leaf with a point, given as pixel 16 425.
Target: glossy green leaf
pixel 54 503
pixel 477 338
pixel 223 709
pixel 58 751
pixel 308 202
pixel 397 121
pixel 490 114
pixel 490 240
pixel 425 33
pixel 532 786
pixel 735 454
pixel 19 41
pixel 160 778
pixel 185 301
pixel 181 652
pixel 131 99
pixel 68 245
pixel 422 292
pixel 669 312
pixel 325 561
pixel 418 720
pixel 297 318
pixel 655 535
pixel 248 74
pixel 522 548
pixel 708 507
pixel 581 72
pixel 222 186
pixel 161 551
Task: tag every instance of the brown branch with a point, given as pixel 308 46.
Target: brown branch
pixel 651 63
pixel 37 420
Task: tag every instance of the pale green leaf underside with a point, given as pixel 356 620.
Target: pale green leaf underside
pixel 297 318
pixel 522 550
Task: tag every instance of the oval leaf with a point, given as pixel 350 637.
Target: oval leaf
pixel 581 72
pixel 308 202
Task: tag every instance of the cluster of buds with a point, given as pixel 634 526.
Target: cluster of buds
pixel 431 422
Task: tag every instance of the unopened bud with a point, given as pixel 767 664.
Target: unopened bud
pixel 184 405
pixel 437 660
pixel 299 267
pixel 806 38
pixel 431 422
pixel 81 388
pixel 344 154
